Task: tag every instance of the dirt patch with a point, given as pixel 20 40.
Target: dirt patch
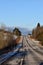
pixel 18 39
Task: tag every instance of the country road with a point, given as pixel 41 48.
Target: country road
pixel 29 54
pixel 35 56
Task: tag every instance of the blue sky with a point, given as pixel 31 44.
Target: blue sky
pixel 21 13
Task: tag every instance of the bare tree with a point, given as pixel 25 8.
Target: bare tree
pixel 2 26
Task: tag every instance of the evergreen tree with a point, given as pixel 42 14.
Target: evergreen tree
pixel 38 25
pixel 16 31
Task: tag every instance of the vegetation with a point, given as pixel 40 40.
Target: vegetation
pixel 17 32
pixel 40 38
pixel 6 38
pixel 37 33
pixel 38 25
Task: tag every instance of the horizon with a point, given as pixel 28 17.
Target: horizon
pixel 23 14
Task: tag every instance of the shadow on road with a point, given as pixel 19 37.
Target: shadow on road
pixel 21 53
pixel 41 63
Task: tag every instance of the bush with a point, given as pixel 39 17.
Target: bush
pixel 4 39
pixel 40 38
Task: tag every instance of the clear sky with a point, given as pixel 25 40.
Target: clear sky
pixel 21 13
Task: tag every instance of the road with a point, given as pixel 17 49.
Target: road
pixel 35 54
pixel 29 54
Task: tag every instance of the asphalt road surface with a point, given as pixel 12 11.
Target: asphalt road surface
pixel 29 54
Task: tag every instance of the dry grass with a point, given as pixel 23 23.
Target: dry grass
pixel 4 42
pixel 40 38
pixel 6 39
pixel 18 39
pixel 37 33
